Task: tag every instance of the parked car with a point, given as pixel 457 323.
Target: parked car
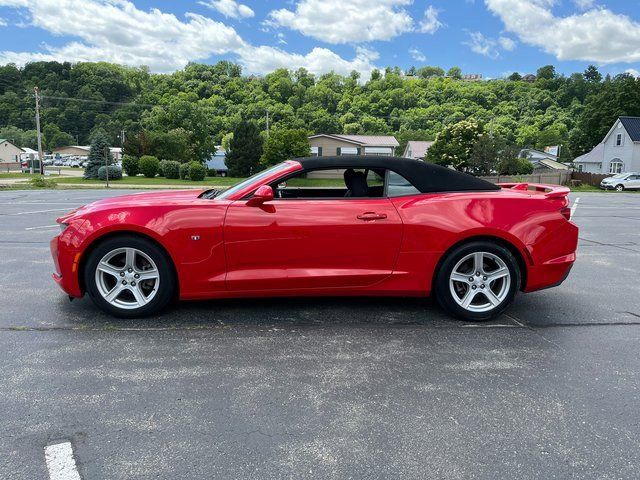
pixel 621 182
pixel 393 226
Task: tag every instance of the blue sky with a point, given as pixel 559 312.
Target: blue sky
pixel 491 37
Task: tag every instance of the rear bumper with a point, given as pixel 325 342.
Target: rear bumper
pixel 66 261
pixel 550 274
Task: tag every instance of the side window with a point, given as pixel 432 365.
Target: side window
pixel 331 184
pixel 398 186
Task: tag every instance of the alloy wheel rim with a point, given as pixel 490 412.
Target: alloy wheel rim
pixel 127 278
pixel 480 282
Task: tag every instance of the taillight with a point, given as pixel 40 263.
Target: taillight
pixel 566 213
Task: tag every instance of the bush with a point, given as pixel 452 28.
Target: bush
pixel 515 166
pixel 130 165
pixel 115 173
pixel 170 169
pixel 184 171
pixel 211 172
pixel 197 171
pixel 149 166
pixel 41 182
pixel 161 167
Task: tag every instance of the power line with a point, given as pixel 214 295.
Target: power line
pixel 84 100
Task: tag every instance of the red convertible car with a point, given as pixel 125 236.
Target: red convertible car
pixel 395 227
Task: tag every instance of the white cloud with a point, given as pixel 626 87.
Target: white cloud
pixel 3 22
pixel 416 54
pixel 507 43
pixel 346 21
pixel 633 71
pixel 430 22
pixel 265 59
pixel 483 45
pixel 596 35
pixel 116 31
pixel 584 4
pixel 229 8
pixel 122 33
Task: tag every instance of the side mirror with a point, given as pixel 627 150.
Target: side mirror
pixel 261 195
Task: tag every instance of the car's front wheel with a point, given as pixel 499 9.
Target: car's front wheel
pixel 129 276
pixel 477 281
pixel 619 188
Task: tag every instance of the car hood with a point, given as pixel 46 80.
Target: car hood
pixel 147 199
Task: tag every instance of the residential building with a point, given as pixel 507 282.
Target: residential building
pixel 618 152
pixel 325 145
pixel 542 160
pixel 217 162
pixel 83 151
pixel 416 149
pixel 472 77
pixel 9 152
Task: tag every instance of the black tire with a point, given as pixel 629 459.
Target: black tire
pixel 442 289
pixel 167 284
pixel 620 188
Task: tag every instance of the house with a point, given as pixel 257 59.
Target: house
pixel 9 152
pixel 217 163
pixel 83 151
pixel 325 145
pixel 618 152
pixel 416 149
pixel 542 160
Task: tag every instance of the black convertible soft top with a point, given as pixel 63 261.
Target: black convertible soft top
pixel 426 177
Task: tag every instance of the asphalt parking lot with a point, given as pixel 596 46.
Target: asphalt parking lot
pixel 323 388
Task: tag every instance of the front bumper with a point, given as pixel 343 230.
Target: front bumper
pixel 66 260
pixel 606 186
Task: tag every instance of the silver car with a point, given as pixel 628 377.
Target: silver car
pixel 622 181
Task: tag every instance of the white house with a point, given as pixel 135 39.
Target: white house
pixel 542 160
pixel 416 149
pixel 324 145
pixel 618 152
pixel 9 152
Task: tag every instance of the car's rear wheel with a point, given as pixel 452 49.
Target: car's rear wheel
pixel 477 281
pixel 619 188
pixel 129 276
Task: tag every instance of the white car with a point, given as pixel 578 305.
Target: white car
pixel 621 182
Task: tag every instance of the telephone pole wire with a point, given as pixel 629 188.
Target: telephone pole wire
pixel 40 156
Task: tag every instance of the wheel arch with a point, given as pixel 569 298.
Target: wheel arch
pixel 517 253
pixel 97 240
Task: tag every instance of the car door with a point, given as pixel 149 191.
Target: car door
pixel 301 244
pixel 632 182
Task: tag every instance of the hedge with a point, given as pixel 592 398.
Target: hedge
pixel 170 169
pixel 197 171
pixel 130 165
pixel 115 172
pixel 149 166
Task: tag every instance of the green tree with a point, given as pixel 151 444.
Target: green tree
pixel 514 77
pixel 455 73
pixel 548 72
pixel 454 145
pixel 245 150
pixel 284 144
pixel 591 74
pixel 99 155
pixel 172 145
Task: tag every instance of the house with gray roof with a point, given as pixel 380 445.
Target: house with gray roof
pixel 416 149
pixel 325 145
pixel 618 152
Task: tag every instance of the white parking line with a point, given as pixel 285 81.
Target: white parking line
pixel 574 206
pixel 39 211
pixel 60 462
pixel 43 226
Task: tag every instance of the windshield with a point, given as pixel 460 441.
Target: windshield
pixel 239 186
pixel 620 175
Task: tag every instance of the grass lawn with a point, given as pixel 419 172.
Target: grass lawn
pixel 26 176
pixel 216 181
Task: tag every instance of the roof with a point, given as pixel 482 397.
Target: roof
pixel 552 164
pixel 632 126
pixel 594 156
pixel 532 153
pixel 9 141
pixel 81 147
pixel 418 148
pixel 426 177
pixel 363 140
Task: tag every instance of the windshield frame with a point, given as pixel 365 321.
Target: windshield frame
pixel 248 185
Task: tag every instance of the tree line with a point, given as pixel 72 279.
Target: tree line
pixel 182 116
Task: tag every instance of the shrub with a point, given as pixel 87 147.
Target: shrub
pixel 515 166
pixel 197 171
pixel 41 182
pixel 130 165
pixel 149 166
pixel 184 171
pixel 115 173
pixel 161 167
pixel 171 169
pixel 211 172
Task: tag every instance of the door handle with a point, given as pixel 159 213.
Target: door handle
pixel 367 216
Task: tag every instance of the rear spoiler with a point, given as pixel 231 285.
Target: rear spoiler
pixel 549 191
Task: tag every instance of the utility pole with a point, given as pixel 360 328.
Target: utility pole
pixel 122 138
pixel 40 159
pixel 267 123
pixel 106 164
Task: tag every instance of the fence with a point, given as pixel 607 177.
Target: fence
pixel 10 167
pixel 556 177
pixel 590 178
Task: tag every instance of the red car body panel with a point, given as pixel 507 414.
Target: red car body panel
pixel 305 247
